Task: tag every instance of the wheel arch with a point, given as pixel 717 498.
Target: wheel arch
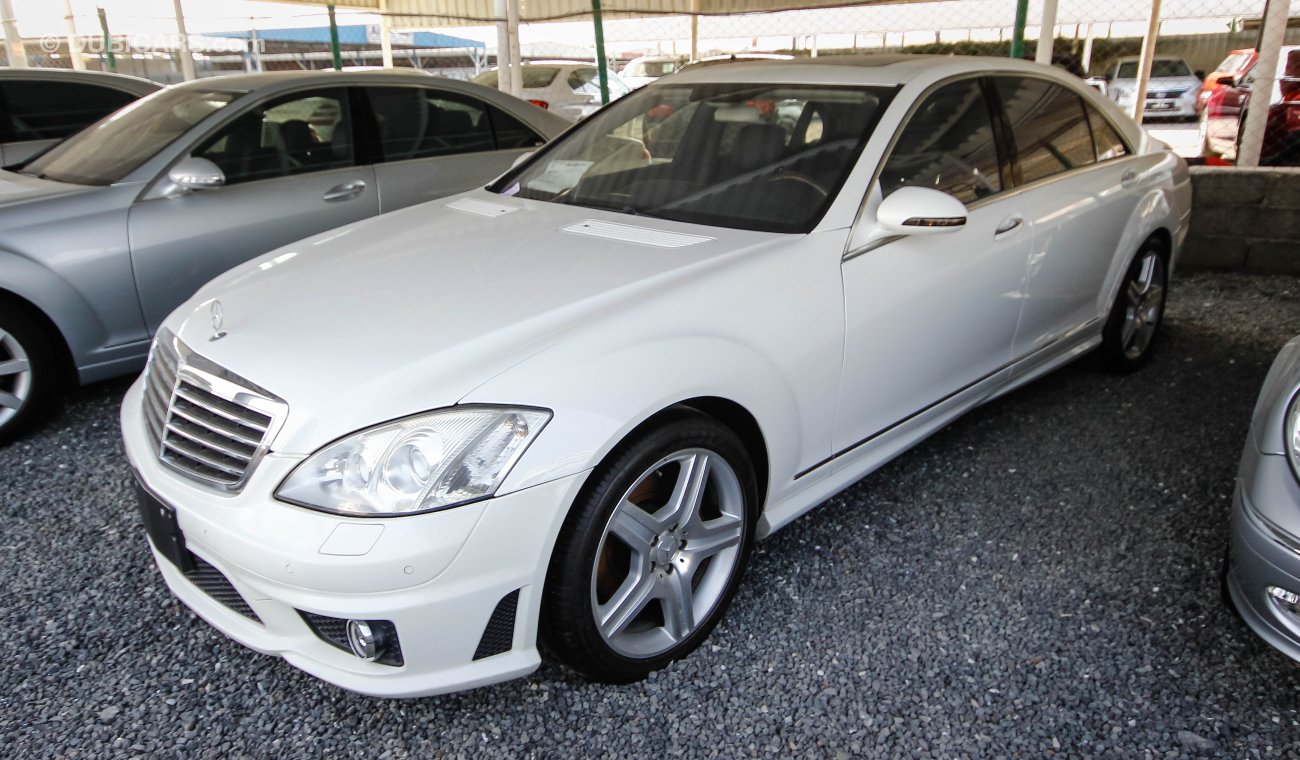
pixel 67 367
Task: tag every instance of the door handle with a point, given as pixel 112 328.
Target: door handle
pixel 345 191
pixel 1008 226
pixel 1129 178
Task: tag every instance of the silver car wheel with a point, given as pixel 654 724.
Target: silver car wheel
pixel 1145 294
pixel 15 377
pixel 667 553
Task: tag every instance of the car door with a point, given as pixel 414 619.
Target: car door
pixel 290 172
pixel 930 315
pixel 428 142
pixel 1077 207
pixel 36 113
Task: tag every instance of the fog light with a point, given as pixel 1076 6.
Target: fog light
pixel 365 642
pixel 1283 595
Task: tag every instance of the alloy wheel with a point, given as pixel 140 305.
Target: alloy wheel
pixel 1145 300
pixel 668 552
pixel 15 377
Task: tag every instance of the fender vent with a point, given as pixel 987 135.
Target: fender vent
pixel 499 636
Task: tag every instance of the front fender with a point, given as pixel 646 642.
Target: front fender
pixel 42 287
pixel 599 397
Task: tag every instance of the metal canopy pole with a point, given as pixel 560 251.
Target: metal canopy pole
pixel 334 39
pixel 1047 33
pixel 599 26
pixel 385 34
pixel 1271 35
pixel 186 56
pixel 108 40
pixel 503 47
pixel 1144 64
pixel 74 42
pixel 516 59
pixel 1018 34
pixel 695 30
pixel 13 42
pixel 1086 61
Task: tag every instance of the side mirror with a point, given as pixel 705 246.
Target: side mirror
pixel 1227 81
pixel 519 159
pixel 920 211
pixel 1200 75
pixel 195 173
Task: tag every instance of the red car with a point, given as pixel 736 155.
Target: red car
pixel 1223 115
pixel 1237 63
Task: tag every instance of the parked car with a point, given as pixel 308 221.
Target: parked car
pixel 107 232
pixel 1222 119
pixel 564 406
pixel 1235 65
pixel 568 88
pixel 39 107
pixel 1171 91
pixel 1263 569
pixel 641 71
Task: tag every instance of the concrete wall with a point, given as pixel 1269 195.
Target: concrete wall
pixel 1244 219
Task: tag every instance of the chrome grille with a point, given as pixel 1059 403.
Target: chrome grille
pixel 206 423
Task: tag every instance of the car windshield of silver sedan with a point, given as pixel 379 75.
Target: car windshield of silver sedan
pixel 757 157
pixel 110 149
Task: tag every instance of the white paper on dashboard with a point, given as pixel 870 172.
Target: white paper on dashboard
pixel 560 176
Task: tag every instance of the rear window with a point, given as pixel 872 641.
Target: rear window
pixel 1161 67
pixel 535 77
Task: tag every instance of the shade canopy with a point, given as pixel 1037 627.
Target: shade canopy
pixel 425 13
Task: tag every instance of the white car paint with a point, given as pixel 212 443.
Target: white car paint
pixel 846 346
pixel 560 95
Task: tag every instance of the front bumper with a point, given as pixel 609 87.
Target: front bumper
pixel 1265 548
pixel 437 577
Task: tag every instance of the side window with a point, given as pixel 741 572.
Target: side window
pixel 512 133
pixel 418 122
pixel 295 134
pixel 54 110
pixel 948 144
pixel 585 81
pixel 1107 141
pixel 1050 129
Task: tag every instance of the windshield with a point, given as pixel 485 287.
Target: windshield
pixel 115 146
pixel 1234 63
pixel 535 77
pixel 1161 67
pixel 748 156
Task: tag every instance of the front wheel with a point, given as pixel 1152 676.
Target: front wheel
pixel 652 551
pixel 27 372
pixel 1137 312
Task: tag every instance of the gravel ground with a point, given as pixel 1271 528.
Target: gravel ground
pixel 1039 579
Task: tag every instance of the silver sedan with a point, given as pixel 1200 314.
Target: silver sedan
pixel 1263 573
pixel 105 234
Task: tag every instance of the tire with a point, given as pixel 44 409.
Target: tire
pixel 28 372
pixel 658 572
pixel 1138 310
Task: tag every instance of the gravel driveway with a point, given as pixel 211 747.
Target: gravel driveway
pixel 1041 578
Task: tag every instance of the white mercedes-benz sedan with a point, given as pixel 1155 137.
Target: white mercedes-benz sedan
pixel 562 408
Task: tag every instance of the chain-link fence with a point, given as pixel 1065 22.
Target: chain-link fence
pixel 1198 90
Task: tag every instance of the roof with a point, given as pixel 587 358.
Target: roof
pixel 133 85
pixel 268 80
pixel 352 34
pixel 883 69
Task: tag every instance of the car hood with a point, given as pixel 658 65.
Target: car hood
pixel 17 189
pixel 412 310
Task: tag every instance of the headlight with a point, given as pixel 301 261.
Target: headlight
pixel 1292 433
pixel 418 464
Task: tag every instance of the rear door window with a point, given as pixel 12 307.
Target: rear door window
pixel 1049 126
pixel 421 122
pixel 44 110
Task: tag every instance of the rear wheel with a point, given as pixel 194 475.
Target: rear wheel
pixel 1137 312
pixel 652 552
pixel 27 372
